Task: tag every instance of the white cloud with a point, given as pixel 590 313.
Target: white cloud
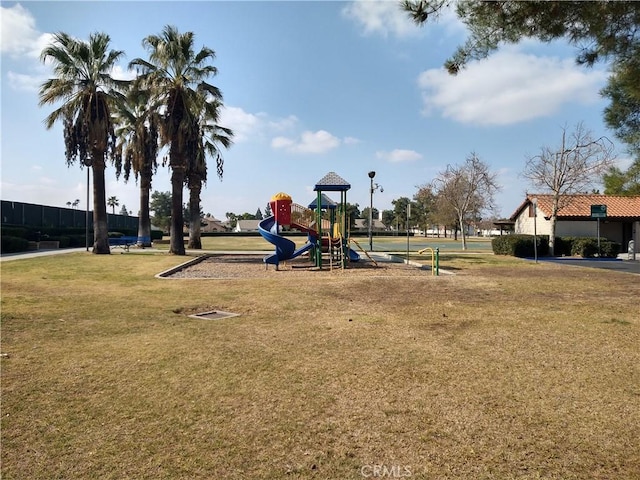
pixel 243 124
pixel 381 17
pixel 246 125
pixel 283 124
pixel 21 40
pixel 120 73
pixel 309 142
pixel 399 155
pixel 282 142
pixel 351 141
pixel 19 35
pixel 509 87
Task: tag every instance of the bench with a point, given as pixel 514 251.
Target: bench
pixel 48 244
pixel 126 242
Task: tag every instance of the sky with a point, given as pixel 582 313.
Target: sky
pixel 309 87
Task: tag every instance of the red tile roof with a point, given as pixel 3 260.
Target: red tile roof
pixel 580 205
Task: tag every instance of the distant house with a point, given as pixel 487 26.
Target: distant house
pixel 377 225
pixel 621 224
pixel 212 224
pixel 247 226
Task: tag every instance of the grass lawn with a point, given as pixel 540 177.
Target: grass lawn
pixel 507 370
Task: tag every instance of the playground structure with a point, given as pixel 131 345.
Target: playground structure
pixel 324 221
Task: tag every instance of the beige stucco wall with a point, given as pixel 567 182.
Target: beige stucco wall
pixel 586 228
pixel 524 224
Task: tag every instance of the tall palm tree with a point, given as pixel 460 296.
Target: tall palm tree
pixel 209 136
pixel 175 75
pixel 113 202
pixel 138 140
pixel 84 85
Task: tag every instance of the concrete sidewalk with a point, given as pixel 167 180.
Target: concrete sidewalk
pixel 7 257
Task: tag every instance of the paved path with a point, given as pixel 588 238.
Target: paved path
pixel 619 264
pixel 7 257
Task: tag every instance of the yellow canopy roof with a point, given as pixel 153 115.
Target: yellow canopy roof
pixel 280 196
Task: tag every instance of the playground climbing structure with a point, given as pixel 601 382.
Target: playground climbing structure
pixel 325 222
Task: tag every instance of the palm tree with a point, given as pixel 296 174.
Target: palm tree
pixel 88 92
pixel 175 76
pixel 208 135
pixel 113 202
pixel 138 140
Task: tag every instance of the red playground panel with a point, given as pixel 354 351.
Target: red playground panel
pixel 281 208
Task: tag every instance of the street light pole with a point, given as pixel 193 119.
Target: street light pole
pixel 371 175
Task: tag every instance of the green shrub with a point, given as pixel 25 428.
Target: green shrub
pixel 76 241
pixel 584 247
pixel 15 232
pixel 520 245
pixel 587 247
pixel 36 234
pixel 156 235
pixel 66 231
pixel 14 244
pixel 563 246
pixel 609 249
pixel 63 241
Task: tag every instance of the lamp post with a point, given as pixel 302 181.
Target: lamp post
pixel 534 202
pixel 87 165
pixel 373 188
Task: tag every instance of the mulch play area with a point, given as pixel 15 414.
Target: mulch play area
pixel 252 266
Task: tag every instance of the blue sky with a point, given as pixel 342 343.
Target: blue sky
pixel 309 87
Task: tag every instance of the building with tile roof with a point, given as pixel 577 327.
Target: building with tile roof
pixel 621 224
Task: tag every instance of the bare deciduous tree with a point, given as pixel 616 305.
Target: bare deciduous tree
pixel 573 167
pixel 467 190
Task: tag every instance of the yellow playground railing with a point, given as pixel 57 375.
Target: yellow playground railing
pixel 435 259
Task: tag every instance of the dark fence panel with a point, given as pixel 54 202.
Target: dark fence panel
pixel 32 215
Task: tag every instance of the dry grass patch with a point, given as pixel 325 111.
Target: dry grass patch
pixel 499 372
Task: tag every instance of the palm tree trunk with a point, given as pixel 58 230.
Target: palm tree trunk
pixel 195 187
pixel 100 225
pixel 144 221
pixel 176 243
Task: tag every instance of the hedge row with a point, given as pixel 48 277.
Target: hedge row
pixel 586 247
pixel 11 244
pixel 35 234
pixel 520 245
pixel 16 239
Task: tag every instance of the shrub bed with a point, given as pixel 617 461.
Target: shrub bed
pixel 12 244
pixel 588 248
pixel 520 245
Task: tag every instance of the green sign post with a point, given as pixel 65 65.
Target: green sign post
pixel 598 212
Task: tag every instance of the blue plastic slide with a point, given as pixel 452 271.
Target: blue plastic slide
pixel 353 255
pixel 285 248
